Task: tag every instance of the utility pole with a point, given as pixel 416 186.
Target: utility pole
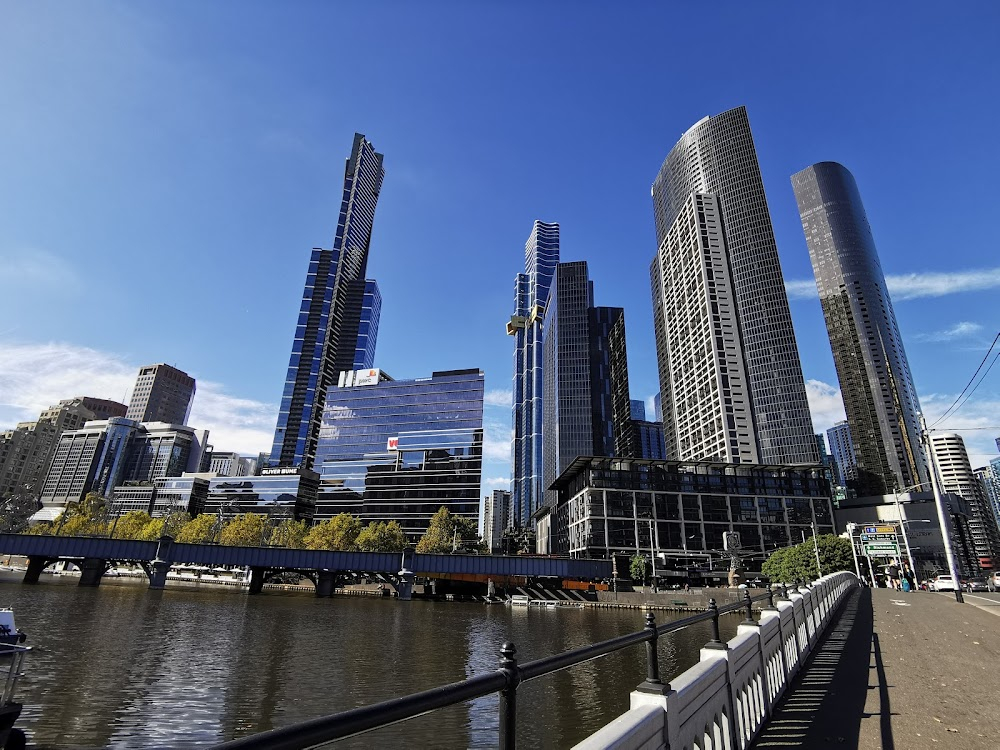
pixel 816 550
pixel 854 550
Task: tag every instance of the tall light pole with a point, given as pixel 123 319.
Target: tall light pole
pixel 902 523
pixel 854 550
pixel 925 436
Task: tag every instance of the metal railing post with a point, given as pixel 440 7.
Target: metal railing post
pixel 653 684
pixel 748 603
pixel 716 641
pixel 508 697
pixel 770 596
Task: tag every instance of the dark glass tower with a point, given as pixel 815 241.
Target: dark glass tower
pixel 531 295
pixel 585 398
pixel 333 329
pixel 717 156
pixel 879 396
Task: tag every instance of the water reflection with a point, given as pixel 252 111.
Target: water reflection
pixel 120 666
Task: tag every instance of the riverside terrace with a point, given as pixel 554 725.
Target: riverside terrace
pixel 95 555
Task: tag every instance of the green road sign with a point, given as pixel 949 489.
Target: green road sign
pixel 881 549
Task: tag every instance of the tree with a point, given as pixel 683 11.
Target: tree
pixel 338 533
pixel 199 530
pixel 246 530
pixel 637 567
pixel 382 537
pixel 290 534
pixel 798 563
pixel 449 533
pixel 131 525
pixel 152 531
pixel 18 508
pixel 86 517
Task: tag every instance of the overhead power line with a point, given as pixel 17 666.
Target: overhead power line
pixel 962 397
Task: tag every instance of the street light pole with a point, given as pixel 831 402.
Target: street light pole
pixel 942 518
pixel 854 550
pixel 652 551
pixel 902 523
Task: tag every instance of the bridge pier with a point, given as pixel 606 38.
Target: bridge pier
pixel 92 570
pixel 157 572
pixel 257 576
pixel 326 582
pixel 35 567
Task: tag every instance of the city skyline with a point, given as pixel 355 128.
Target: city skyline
pixel 243 189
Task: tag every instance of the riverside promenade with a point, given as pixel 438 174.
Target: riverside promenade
pixel 897 671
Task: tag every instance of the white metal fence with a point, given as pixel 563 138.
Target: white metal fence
pixel 723 701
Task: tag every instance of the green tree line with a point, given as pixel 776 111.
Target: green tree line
pixel 90 517
pixel 798 563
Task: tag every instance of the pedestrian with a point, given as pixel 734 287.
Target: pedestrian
pixel 892 575
pixel 909 580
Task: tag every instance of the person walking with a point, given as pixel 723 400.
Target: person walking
pixel 892 575
pixel 909 580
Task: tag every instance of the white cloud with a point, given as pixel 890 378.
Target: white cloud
pixel 957 331
pixel 977 421
pixel 498 397
pixel 499 483
pixel 34 376
pixel 916 285
pixel 496 441
pixel 825 405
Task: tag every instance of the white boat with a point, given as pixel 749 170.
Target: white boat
pixel 520 600
pixel 9 634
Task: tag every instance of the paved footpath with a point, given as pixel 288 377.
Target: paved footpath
pixel 898 671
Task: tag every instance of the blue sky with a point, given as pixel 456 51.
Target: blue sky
pixel 165 169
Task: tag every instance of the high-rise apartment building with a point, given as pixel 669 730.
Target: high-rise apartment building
pixel 841 453
pixel 338 318
pixel 162 394
pixel 875 381
pixel 707 407
pixel 585 377
pixel 531 295
pixel 229 464
pixel 716 159
pixel 957 477
pixel 496 518
pixel 399 450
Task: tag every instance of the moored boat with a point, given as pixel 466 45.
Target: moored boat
pixel 12 655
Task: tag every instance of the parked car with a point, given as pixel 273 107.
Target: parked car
pixel 942 583
pixel 993 582
pixel 975 584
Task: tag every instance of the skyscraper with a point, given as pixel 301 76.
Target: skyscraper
pixel 587 410
pixel 338 319
pixel 162 394
pixel 707 409
pixel 879 396
pixel 716 156
pixel 842 453
pixel 496 509
pixel 531 295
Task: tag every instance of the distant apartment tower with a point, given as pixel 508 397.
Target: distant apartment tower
pixel 708 412
pixel 841 453
pixel 531 295
pixel 585 394
pixel 162 394
pixel 716 159
pixel 989 476
pixel 957 477
pixel 228 464
pixel 339 315
pixel 496 513
pixel 875 381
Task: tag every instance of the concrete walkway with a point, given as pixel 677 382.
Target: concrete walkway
pixel 906 671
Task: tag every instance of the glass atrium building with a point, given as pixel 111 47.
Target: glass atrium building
pixel 399 450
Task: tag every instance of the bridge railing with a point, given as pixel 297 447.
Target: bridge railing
pixel 505 681
pixel 725 700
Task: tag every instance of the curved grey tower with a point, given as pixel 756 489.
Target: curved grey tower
pixel 875 381
pixel 717 156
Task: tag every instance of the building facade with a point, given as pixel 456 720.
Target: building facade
pixel 680 511
pixel 161 394
pixel 228 464
pixel 708 412
pixel 841 453
pixel 399 450
pixel 531 296
pixel 957 477
pixel 279 493
pixel 338 318
pixel 716 156
pixel 879 396
pixel 496 519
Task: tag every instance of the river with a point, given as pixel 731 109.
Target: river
pixel 124 667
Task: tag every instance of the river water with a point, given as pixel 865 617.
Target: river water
pixel 121 666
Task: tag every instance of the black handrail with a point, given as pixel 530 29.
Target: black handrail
pixel 504 680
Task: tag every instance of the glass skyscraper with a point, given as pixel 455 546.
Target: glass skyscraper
pixel 875 382
pixel 338 319
pixel 399 450
pixel 531 295
pixel 716 156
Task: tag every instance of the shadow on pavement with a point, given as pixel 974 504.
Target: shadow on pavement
pixel 825 703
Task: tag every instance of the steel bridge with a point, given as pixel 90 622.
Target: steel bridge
pixel 95 555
